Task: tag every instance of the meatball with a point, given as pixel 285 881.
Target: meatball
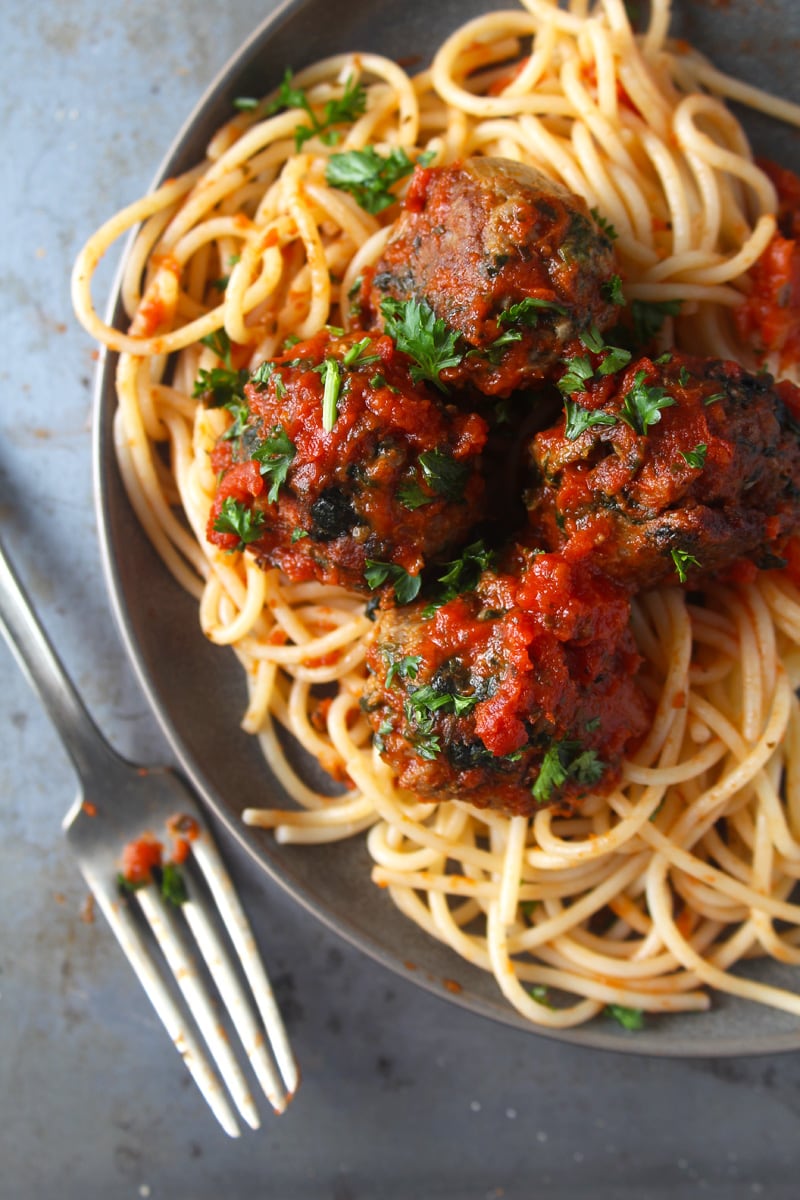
pixel 507 258
pixel 339 467
pixel 516 694
pixel 663 469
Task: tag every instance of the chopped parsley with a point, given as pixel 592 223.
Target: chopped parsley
pixel 403 668
pixel 368 175
pixel 406 587
pixel 577 375
pixel 579 419
pixel 262 375
pixel 612 290
pixel 356 355
pixel 424 337
pixel 444 475
pixel 332 383
pixel 220 386
pixel 297 534
pixel 604 224
pixel 628 1018
pixel 245 103
pixel 696 458
pixel 274 456
pixel 643 405
pixel 539 992
pixel 713 399
pixel 173 885
pixel 563 761
pixel 462 575
pixel 247 524
pixel 528 311
pixel 683 559
pixel 493 353
pixel 220 343
pixel 342 111
pixel 427 745
pixel 424 701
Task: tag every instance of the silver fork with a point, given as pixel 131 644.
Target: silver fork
pixel 119 803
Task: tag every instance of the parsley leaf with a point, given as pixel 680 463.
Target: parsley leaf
pixel 419 333
pixel 297 534
pixel 332 382
pixel 606 226
pixel 444 474
pixel 403 668
pixel 578 373
pixel 426 700
pixel 565 760
pixel 406 587
pixel 643 404
pixel 493 353
pixel 219 386
pixel 368 175
pixel 173 885
pixel 614 361
pixel 341 111
pixel 462 574
pixel 696 458
pixel 274 456
pixel 628 1018
pixel 357 355
pixel 528 311
pixel 427 745
pixel 612 290
pixel 683 559
pixel 220 343
pixel 579 419
pixel 235 517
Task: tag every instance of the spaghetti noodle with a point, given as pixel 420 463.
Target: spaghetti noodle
pixel 655 891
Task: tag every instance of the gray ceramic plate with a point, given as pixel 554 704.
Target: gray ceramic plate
pixel 197 691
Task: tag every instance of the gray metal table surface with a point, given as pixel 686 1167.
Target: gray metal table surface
pixel 403 1095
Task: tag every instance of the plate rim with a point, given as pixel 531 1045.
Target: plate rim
pixel 591 1036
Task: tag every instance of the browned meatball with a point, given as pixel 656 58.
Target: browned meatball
pixel 510 260
pixel 339 467
pixel 516 693
pixel 665 470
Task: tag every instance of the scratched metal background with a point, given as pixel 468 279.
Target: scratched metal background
pixel 403 1095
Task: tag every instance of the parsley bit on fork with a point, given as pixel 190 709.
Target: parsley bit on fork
pixel 120 802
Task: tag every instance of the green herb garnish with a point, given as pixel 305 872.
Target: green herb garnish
pixel 528 311
pixel 628 1018
pixel 343 111
pixel 696 458
pixel 563 761
pixel 173 885
pixel 368 175
pixel 406 587
pixel 579 419
pixel 247 524
pixel 424 337
pixel 683 559
pixel 643 405
pixel 274 456
pixel 403 668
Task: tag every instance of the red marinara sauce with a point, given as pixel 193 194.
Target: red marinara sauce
pixel 769 319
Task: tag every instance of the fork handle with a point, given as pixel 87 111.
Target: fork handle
pixel 84 743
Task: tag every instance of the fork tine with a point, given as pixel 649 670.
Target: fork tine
pixel 208 859
pixel 200 1006
pixel 236 1001
pixel 129 936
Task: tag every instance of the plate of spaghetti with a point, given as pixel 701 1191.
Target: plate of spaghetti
pixel 448 450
